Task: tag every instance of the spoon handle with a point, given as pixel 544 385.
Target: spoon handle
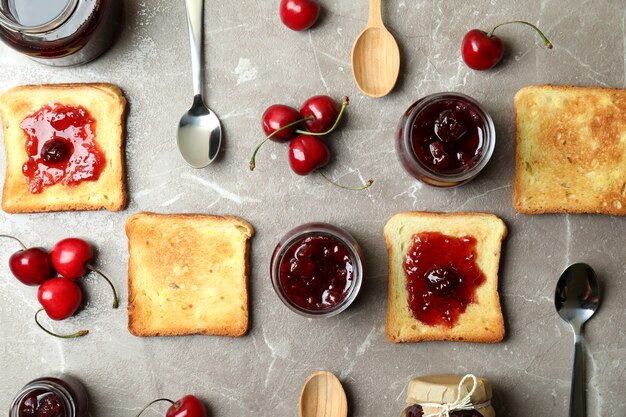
pixel 577 403
pixel 376 13
pixel 195 11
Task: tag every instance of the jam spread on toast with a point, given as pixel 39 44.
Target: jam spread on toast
pixel 61 147
pixel 317 272
pixel 442 277
pixel 447 136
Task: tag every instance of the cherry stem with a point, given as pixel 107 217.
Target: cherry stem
pixel 16 239
pixel 359 188
pixel 543 37
pixel 79 333
pixel 344 104
pixel 154 402
pixel 97 271
pixel 271 135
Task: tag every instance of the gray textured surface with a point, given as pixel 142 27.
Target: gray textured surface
pixel 255 61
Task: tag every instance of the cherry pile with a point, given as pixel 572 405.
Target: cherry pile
pixel 320 116
pixel 483 50
pixel 188 406
pixel 58 293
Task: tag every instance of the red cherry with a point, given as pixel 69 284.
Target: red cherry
pixel 299 14
pixel 31 266
pixel 307 153
pixel 188 406
pixel 324 112
pixel 480 51
pixel 60 298
pixel 72 258
pixel 280 119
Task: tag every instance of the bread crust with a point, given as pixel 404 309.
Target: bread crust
pixel 138 323
pixel 109 191
pixel 461 332
pixel 614 200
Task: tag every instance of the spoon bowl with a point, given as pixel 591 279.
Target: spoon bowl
pixel 577 298
pixel 375 56
pixel 199 135
pixel 323 396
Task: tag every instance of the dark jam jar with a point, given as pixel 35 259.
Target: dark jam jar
pixel 317 269
pixel 445 139
pixel 60 396
pixel 60 32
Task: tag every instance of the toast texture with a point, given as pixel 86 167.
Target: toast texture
pixel 570 152
pixel 106 103
pixel 482 320
pixel 187 274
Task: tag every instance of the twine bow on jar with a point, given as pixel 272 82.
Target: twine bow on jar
pixel 460 404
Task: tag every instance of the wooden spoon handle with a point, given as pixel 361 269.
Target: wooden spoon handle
pixel 376 14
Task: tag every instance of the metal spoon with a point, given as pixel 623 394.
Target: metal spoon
pixel 199 131
pixel 375 56
pixel 576 299
pixel 323 396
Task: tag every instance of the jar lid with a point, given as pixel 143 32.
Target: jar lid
pixel 444 389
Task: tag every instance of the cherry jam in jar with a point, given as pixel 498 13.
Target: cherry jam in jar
pixel 60 32
pixel 59 396
pixel 445 139
pixel 317 270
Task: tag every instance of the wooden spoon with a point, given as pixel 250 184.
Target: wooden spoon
pixel 323 396
pixel 375 56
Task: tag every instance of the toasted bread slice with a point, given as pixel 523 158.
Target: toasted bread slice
pixel 187 274
pixel 107 105
pixel 570 150
pixel 482 320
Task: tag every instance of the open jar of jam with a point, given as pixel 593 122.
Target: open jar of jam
pixel 60 32
pixel 445 139
pixel 317 269
pixel 59 396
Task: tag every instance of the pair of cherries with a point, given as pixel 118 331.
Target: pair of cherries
pixel 60 296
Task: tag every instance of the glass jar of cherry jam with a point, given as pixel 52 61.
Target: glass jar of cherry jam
pixel 445 139
pixel 60 32
pixel 317 270
pixel 58 396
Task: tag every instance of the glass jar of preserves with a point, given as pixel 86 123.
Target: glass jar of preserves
pixel 60 32
pixel 61 395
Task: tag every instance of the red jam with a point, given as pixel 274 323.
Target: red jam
pixel 61 147
pixel 42 403
pixel 447 136
pixel 316 272
pixel 442 277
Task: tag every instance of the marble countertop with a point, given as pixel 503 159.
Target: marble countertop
pixel 252 62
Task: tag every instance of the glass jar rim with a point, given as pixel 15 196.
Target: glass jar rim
pixel 39 384
pixel 490 137
pixel 54 23
pixel 310 229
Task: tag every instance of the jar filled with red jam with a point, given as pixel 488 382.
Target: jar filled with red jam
pixel 445 139
pixel 59 396
pixel 60 32
pixel 317 269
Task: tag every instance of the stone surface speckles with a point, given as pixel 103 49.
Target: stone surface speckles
pixel 253 61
